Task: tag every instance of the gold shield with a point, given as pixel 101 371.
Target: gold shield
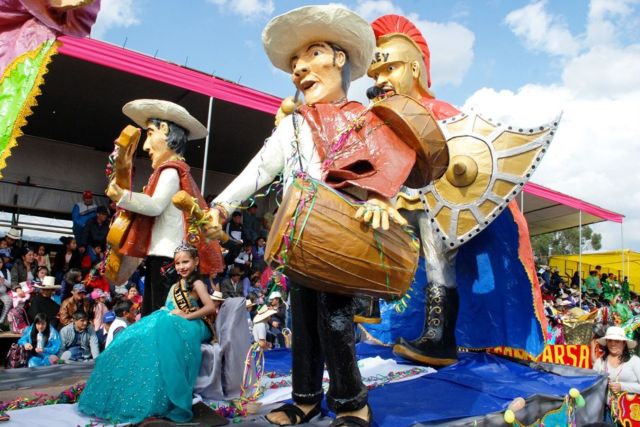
pixel 489 163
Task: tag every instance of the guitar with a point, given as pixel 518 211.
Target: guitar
pixel 126 145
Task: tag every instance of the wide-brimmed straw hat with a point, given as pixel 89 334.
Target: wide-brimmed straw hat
pixel 217 296
pixel 49 282
pixel 287 33
pixel 141 110
pixel 264 313
pixel 616 333
pixel 14 234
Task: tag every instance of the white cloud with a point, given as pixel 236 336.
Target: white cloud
pixel 248 9
pixel 115 13
pixel 542 31
pixel 450 43
pixel 595 153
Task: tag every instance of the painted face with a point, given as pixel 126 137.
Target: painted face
pixel 316 72
pixel 395 76
pixel 185 263
pixel 41 326
pixel 156 144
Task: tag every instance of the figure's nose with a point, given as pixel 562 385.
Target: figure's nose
pixel 147 145
pixel 301 68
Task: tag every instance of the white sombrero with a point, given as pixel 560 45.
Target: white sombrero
pixel 217 296
pixel 49 282
pixel 263 313
pixel 287 33
pixel 141 110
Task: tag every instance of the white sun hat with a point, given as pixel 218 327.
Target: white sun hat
pixel 287 33
pixel 616 333
pixel 141 110
pixel 217 296
pixel 49 282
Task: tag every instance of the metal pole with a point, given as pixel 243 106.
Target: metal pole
pixel 206 147
pixel 622 246
pixel 580 255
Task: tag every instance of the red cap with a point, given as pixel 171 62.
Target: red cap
pixel 390 24
pixel 87 194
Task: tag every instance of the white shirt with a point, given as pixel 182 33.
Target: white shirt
pixel 627 374
pixel 116 324
pixel 168 227
pixel 278 154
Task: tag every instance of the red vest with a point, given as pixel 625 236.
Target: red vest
pixel 139 236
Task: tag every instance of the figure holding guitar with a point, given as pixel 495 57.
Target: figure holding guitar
pixel 157 226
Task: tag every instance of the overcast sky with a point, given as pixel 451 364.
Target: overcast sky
pixel 517 61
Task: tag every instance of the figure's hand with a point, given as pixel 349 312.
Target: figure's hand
pixel 287 106
pixel 39 350
pixel 212 229
pixel 615 387
pixel 28 347
pixel 114 192
pixel 377 211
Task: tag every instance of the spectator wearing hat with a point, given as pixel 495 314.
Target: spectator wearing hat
pixel 96 229
pixel 82 212
pixel 232 286
pixel 107 320
pixel 79 339
pixel 260 327
pixel 617 363
pixel 9 244
pixel 73 304
pixel 43 303
pixel 98 298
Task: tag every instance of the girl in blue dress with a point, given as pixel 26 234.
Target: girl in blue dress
pixel 150 369
pixel 42 341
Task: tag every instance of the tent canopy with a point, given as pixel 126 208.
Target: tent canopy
pixel 620 263
pixel 548 210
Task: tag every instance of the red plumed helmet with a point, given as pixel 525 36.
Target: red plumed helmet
pixel 390 24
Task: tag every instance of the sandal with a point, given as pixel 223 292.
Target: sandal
pixel 294 414
pixel 351 421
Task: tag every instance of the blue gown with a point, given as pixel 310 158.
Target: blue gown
pixel 149 370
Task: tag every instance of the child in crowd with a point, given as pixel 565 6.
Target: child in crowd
pixel 79 339
pixel 260 327
pixel 5 284
pixel 42 341
pixel 125 316
pixel 108 319
pixel 99 307
pixel 17 315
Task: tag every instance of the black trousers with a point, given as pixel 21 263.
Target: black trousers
pixel 323 332
pixel 157 283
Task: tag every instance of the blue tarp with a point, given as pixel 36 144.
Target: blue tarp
pixel 496 296
pixel 477 385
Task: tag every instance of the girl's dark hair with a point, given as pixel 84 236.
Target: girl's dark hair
pixel 624 357
pixel 40 318
pixel 177 136
pixel 42 267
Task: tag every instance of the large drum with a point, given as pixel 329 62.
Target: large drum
pixel 322 246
